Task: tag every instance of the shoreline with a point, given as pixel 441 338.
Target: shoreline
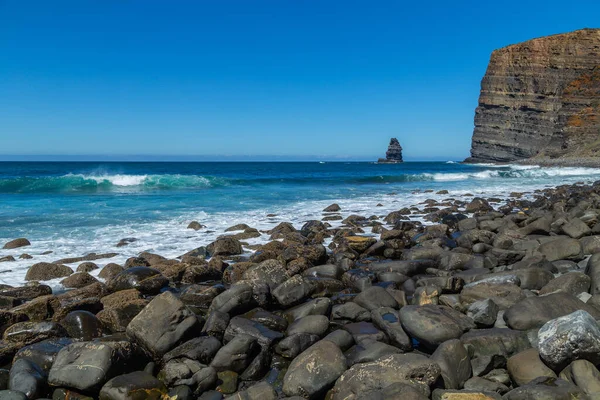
pixel 585 162
pixel 360 293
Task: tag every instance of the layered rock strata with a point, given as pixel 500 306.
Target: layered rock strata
pixel 540 98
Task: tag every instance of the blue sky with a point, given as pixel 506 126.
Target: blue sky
pixel 238 78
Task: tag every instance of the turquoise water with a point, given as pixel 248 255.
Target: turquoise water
pixel 75 208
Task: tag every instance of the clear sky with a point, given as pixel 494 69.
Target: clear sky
pixel 252 77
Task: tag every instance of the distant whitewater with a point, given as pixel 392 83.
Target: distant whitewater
pixel 75 208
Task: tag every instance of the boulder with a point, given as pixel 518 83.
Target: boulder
pixel 27 377
pixel 583 374
pixel 30 332
pixel 410 368
pixel 44 271
pixel 571 282
pixel 388 320
pixel 43 353
pixel 526 366
pixel 201 349
pixel 453 360
pixel 375 297
pixel 88 365
pixel 147 280
pixel 533 312
pixel 135 385
pixel 432 325
pixel 314 371
pixel 236 299
pixel 545 388
pixel 572 337
pixel 562 249
pixel 82 325
pixel 236 355
pixel 16 243
pixel 78 280
pixel 163 324
pixel 483 312
pixel 225 246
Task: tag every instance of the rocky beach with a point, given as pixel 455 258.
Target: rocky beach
pixel 188 277
pixel 485 298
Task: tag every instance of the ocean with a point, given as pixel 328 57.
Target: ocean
pixel 74 208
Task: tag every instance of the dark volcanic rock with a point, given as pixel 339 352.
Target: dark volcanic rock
pixel 315 370
pixel 136 385
pixel 393 153
pixel 162 324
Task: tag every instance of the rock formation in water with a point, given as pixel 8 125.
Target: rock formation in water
pixel 393 154
pixel 541 99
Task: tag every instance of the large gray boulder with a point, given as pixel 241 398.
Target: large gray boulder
pixel 533 312
pixel 414 369
pixel 432 325
pixel 572 337
pixel 315 370
pixel 453 359
pixel 87 366
pixel 163 324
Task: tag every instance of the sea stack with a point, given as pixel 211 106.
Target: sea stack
pixel 393 154
pixel 540 100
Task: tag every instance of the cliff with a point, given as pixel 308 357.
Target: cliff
pixel 540 99
pixel 393 153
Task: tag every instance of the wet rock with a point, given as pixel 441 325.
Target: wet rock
pixel 202 349
pixel 259 391
pixel 293 291
pixel 146 280
pixel 27 377
pixel 45 271
pixel 364 331
pixel 312 324
pixel 86 366
pixel 533 312
pixel 43 353
pixel 408 368
pixel 215 324
pixel 188 372
pixel 270 272
pixel 163 324
pixel 110 270
pixel 225 246
pixel 78 280
pixel 332 208
pixel 375 297
pixel 314 371
pixel 82 325
pixel 572 337
pixel 133 386
pixel 237 354
pixel 29 292
pixel 31 332
pixel 239 325
pixel 350 311
pixel 87 266
pixel 295 344
pixel 388 320
pixel 318 306
pixel 195 225
pixel 453 360
pixel 368 350
pixel 342 339
pixel 12 395
pixel 432 325
pixel 526 366
pixel 16 243
pixel 593 271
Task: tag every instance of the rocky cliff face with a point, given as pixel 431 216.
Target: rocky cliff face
pixel 541 99
pixel 393 153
